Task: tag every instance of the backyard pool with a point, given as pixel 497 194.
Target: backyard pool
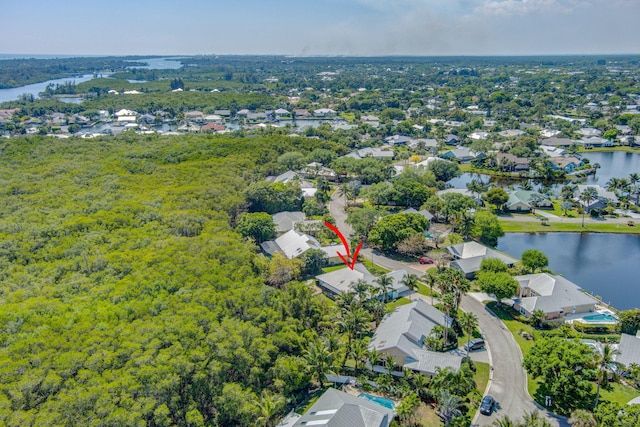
pixel 600 318
pixel 382 401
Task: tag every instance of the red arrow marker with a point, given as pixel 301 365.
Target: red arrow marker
pixel 350 261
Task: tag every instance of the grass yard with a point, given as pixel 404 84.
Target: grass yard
pixel 397 303
pixel 619 393
pixel 481 376
pixel 537 227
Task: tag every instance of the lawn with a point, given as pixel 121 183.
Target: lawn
pixel 481 376
pixel 537 227
pixel 333 268
pixel 397 303
pixel 619 393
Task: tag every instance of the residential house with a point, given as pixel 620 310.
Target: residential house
pixel 595 141
pixel 469 255
pixel 146 119
pixel 525 200
pixel 462 155
pixel 451 139
pixel 558 142
pixel 324 112
pixel 427 143
pixel 126 116
pixel 301 113
pixel 401 334
pixel 376 153
pixel 282 114
pixel 212 127
pixel 242 114
pixel 567 164
pixel 194 116
pixel 512 163
pixel 339 281
pixel 215 118
pixel 286 221
pixel 425 213
pixel 551 151
pixel 512 133
pixel 479 135
pixel 225 114
pixel 603 198
pixel 554 295
pixel 587 132
pixel 629 350
pixel 549 133
pixel 398 140
pixel 336 408
pixel 315 170
pixel 285 177
pixel 292 244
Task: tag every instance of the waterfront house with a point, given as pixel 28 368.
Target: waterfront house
pixel 324 113
pixel 603 199
pixel 629 350
pixel 595 142
pixel 567 164
pixel 525 200
pixel 126 116
pixel 212 127
pixel 469 255
pixel 401 335
pixel 588 132
pixel 554 295
pixel 336 408
pixel 558 142
pixel 511 163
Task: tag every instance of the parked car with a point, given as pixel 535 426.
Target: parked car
pixel 475 344
pixel 486 406
pixel 425 260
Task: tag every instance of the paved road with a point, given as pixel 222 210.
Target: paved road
pixel 554 218
pixel 336 207
pixel 508 378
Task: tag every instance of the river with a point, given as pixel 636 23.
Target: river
pixel 603 264
pixel 14 93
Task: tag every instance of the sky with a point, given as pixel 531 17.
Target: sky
pixel 320 27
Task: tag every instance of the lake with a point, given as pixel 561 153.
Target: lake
pixel 603 264
pixel 615 164
pixel 158 63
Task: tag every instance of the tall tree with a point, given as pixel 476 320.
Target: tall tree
pixel 534 259
pixel 468 322
pixel 604 360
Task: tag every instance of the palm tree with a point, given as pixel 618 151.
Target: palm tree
pixel 587 196
pixel 465 224
pixel 319 360
pixel 374 358
pixel 604 361
pixel 377 308
pixel 406 409
pixel 358 353
pixel 362 289
pixel 268 406
pixel 468 322
pixel 568 191
pixel 449 406
pixel 534 201
pixel 565 206
pixel 582 418
pixel 390 363
pixel 504 421
pixel 449 302
pixel 384 283
pixel 634 179
pixel 410 281
pixel 430 279
pixel 534 419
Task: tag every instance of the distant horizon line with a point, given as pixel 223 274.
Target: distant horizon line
pixel 6 56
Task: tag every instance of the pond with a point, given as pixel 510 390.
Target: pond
pixel 603 264
pixel 615 164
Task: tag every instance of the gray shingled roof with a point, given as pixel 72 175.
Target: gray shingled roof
pixel 555 293
pixel 292 244
pixel 427 361
pixel 285 221
pixel 406 327
pixel 469 256
pixel 338 409
pixel 629 349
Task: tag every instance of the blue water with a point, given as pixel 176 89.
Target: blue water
pixel 603 264
pixel 597 318
pixel 382 401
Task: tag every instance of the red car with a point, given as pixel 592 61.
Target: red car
pixel 425 260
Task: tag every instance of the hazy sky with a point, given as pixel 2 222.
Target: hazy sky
pixel 320 27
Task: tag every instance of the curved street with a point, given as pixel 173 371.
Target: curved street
pixel 508 381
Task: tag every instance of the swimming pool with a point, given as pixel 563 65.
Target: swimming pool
pixel 382 401
pixel 600 318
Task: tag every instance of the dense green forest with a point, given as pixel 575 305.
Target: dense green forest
pixel 126 298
